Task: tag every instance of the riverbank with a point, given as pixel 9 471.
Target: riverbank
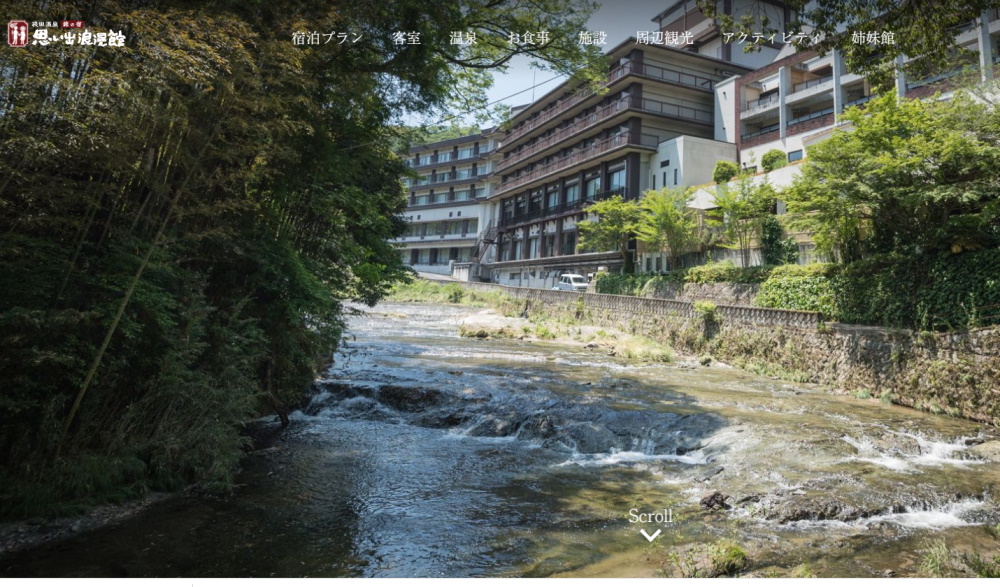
pixel 950 373
pixel 33 532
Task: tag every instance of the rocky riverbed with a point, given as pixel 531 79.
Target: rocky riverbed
pixel 424 453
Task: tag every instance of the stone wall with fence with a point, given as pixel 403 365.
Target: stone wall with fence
pixel 953 373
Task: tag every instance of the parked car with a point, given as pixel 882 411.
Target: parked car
pixel 572 282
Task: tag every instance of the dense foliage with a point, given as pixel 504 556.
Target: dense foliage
pixel 637 285
pixel 800 287
pixel 910 178
pixel 926 292
pixel 776 248
pixel 182 219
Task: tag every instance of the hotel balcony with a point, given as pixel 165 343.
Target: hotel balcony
pixel 755 107
pixel 640 104
pixel 585 154
pixel 434 238
pixel 809 88
pixel 464 156
pixel 682 78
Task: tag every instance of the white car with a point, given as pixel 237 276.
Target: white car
pixel 572 282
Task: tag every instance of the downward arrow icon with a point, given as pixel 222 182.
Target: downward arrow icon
pixel 648 537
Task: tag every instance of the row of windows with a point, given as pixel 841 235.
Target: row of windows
pixel 444 227
pixel 446 156
pixel 537 247
pixel 454 196
pixel 441 256
pixel 551 198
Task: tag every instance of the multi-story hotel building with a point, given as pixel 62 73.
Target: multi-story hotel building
pixel 445 214
pixel 654 126
pixel 667 116
pixel 798 97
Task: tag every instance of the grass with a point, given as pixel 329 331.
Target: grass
pixel 480 332
pixel 422 290
pixel 722 559
pixel 728 560
pixel 642 349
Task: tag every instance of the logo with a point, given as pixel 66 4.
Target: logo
pixel 17 33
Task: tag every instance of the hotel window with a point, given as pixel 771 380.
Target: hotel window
pixel 572 193
pixel 617 180
pixel 552 199
pixel 593 186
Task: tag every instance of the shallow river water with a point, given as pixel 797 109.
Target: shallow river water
pixel 426 454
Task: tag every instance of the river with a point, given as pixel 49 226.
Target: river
pixel 427 454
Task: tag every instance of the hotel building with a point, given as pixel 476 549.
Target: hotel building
pixel 668 114
pixel 445 212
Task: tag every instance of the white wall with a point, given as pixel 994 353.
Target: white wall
pixel 725 110
pixel 694 159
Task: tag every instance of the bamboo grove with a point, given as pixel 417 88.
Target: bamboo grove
pixel 183 218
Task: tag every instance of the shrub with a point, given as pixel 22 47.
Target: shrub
pixel 799 287
pixel 622 285
pixel 728 560
pixel 773 159
pixel 708 311
pixel 725 171
pixel 725 272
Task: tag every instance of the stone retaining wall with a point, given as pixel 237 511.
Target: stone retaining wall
pixel 954 373
pixel 733 294
pixel 655 306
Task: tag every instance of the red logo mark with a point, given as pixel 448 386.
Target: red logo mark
pixel 17 33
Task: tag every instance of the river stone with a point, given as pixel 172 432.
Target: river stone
pixel 496 425
pixel 815 509
pixel 409 399
pixel 715 500
pixel 590 438
pixel 988 451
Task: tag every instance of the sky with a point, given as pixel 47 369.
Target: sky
pixel 618 20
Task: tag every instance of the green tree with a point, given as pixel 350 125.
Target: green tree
pixel 742 205
pixel 667 224
pixel 725 171
pixel 910 177
pixel 617 220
